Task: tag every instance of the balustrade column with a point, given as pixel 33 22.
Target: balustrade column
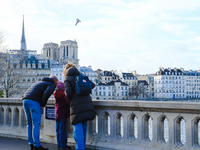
pixel 154 127
pixel 140 126
pixel 188 127
pixel 125 125
pixel 171 127
pixel 20 117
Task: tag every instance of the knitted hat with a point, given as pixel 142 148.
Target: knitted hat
pixel 60 86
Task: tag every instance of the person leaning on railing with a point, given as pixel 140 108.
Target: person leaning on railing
pixel 34 101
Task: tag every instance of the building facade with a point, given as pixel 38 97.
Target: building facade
pixel 169 83
pixel 67 52
pixel 111 90
pixel 128 78
pixel 192 84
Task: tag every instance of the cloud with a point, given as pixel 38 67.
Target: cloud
pixel 116 34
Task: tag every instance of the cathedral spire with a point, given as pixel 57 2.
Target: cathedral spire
pixel 23 40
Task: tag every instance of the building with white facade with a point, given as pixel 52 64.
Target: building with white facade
pixel 169 83
pixel 111 90
pixel 57 70
pixel 106 76
pixel 192 84
pixel 128 78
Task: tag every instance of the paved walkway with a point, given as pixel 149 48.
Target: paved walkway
pixel 16 144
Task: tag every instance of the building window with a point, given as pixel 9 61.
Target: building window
pixel 67 51
pixel 64 51
pixel 33 65
pixel 24 66
pixel 73 56
pixel 46 65
pixel 39 66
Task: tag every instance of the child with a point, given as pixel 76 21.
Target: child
pixel 61 115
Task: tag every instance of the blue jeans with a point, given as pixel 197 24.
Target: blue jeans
pixel 33 115
pixel 80 133
pixel 61 133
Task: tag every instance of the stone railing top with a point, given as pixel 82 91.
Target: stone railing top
pixel 161 106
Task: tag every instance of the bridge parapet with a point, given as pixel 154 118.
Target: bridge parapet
pixel 119 124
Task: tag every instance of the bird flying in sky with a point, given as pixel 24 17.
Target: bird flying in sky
pixel 77 21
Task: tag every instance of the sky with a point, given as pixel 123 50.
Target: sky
pixel 127 35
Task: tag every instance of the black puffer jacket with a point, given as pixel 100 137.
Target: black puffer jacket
pixel 40 91
pixel 81 107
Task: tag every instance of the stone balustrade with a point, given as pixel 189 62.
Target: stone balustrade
pixel 119 124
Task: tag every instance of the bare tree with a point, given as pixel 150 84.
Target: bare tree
pixel 10 78
pixel 2 43
pixel 8 73
pixel 137 91
pixel 134 92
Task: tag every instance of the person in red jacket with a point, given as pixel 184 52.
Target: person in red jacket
pixel 61 115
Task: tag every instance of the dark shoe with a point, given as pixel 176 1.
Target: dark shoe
pixel 32 147
pixel 41 148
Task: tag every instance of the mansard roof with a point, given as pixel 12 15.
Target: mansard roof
pixel 192 73
pixel 128 75
pixel 142 81
pixel 108 73
pixel 169 71
pixel 112 83
pixel 30 59
pixel 86 69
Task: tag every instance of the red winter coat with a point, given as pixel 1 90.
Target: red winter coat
pixel 61 105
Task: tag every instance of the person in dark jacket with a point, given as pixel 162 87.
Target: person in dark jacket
pixel 34 101
pixel 81 106
pixel 61 115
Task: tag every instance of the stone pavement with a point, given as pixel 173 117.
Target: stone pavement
pixel 16 144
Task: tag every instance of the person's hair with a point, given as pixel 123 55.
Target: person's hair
pixel 69 65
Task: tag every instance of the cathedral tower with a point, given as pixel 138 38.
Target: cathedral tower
pixel 23 39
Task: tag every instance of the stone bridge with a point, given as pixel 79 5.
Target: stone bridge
pixel 118 124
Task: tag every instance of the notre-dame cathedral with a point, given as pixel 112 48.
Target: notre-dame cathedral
pixel 65 53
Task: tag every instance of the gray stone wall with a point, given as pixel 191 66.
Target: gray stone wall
pixel 119 124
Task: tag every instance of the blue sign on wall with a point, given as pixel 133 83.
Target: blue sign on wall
pixel 50 113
